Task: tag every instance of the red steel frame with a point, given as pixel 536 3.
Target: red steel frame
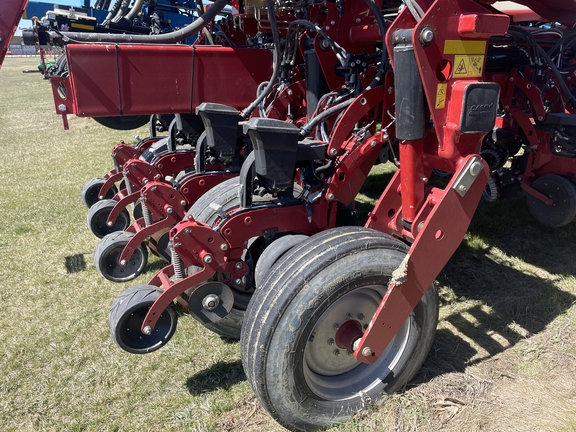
pixel 10 13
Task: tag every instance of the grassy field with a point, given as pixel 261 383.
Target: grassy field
pixel 504 358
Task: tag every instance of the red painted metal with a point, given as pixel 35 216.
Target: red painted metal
pixel 112 80
pixel 436 219
pixel 447 220
pixel 10 13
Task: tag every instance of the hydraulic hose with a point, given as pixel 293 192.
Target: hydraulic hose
pixel 276 66
pixel 135 9
pixel 308 127
pixel 165 38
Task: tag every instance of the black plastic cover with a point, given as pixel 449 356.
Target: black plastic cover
pixel 479 107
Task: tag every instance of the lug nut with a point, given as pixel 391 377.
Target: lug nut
pixel 238 265
pixel 330 341
pixel 123 262
pixel 147 330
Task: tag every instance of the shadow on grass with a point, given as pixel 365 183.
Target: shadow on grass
pixel 506 305
pixel 221 375
pixel 75 263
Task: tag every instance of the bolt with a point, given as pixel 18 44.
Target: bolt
pixel 238 281
pixel 333 152
pixel 507 107
pixel 62 108
pixel 109 223
pixel 511 78
pixel 208 259
pixel 330 196
pixel 169 210
pixel 424 179
pixel 358 20
pixel 366 352
pixel 365 326
pixel 147 330
pixel 355 344
pixel 330 341
pixel 348 352
pixel 528 86
pixel 183 203
pixel 327 28
pixel 541 118
pixel 420 226
pixel 290 92
pixel 210 302
pixel 223 246
pixel 462 188
pixel 360 316
pixel 332 22
pixel 426 36
pixel 373 143
pixel 348 317
pixel 336 327
pixel 123 262
pixel 390 90
pixel 336 352
pixel 157 177
pixel 187 231
pixel 238 265
pixel 476 168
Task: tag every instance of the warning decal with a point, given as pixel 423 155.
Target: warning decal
pixel 467 66
pixel 441 96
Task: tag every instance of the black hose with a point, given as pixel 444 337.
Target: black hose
pixel 276 66
pixel 308 127
pixel 165 38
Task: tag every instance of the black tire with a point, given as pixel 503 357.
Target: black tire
pixel 108 251
pixel 123 122
pixel 158 148
pixel 226 195
pixel 312 287
pixel 563 194
pixel 90 191
pixel 273 253
pixel 98 214
pixel 127 314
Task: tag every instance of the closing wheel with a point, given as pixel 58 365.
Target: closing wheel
pixel 273 253
pixel 563 194
pixel 127 314
pixel 90 191
pixel 107 254
pixel 208 209
pixel 290 340
pixel 159 244
pixel 98 214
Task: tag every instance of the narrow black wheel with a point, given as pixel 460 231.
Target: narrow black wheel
pixel 563 194
pixel 226 195
pixel 127 314
pixel 289 350
pixel 159 244
pixel 90 191
pixel 98 214
pixel 123 122
pixel 107 254
pixel 273 253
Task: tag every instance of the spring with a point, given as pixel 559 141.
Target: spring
pixel 146 213
pixel 177 264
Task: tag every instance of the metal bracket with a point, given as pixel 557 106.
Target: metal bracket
pixel 468 176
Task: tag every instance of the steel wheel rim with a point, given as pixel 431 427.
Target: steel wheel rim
pixel 133 338
pixel 336 376
pixel 113 268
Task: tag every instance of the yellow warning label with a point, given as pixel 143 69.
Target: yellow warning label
pixel 464 47
pixel 441 96
pixel 468 66
pixel 82 26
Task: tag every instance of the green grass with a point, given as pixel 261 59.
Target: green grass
pixel 505 350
